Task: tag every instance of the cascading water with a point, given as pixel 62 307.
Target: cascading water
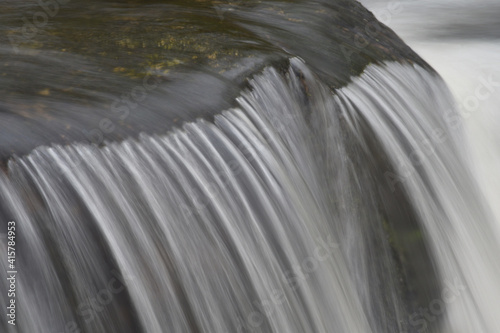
pixel 427 146
pixel 457 39
pixel 295 211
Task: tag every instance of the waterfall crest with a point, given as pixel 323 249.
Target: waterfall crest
pixel 292 212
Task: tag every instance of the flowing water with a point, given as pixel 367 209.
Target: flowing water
pixel 301 209
pixel 460 41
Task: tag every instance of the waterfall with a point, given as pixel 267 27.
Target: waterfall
pixel 433 165
pixel 294 211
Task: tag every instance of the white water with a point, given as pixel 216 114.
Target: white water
pixel 435 168
pixel 460 39
pixel 221 227
pixel 275 217
pixel 269 220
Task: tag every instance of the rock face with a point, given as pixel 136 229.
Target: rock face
pixel 98 70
